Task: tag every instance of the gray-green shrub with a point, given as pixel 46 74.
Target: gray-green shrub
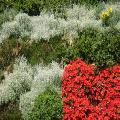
pixel 7 15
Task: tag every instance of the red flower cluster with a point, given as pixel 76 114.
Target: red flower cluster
pixel 87 96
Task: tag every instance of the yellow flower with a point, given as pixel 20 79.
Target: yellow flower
pixel 104 14
pixel 110 10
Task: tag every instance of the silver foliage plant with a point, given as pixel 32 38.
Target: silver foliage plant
pixel 16 83
pixel 44 76
pixel 7 15
pixel 46 25
pixel 21 27
pixel 26 82
pixel 24 25
pixel 8 29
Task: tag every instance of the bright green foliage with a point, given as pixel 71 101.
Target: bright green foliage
pixel 48 106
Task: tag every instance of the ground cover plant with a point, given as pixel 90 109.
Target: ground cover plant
pixel 39 39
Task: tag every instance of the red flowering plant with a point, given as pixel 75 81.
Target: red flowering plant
pixel 87 96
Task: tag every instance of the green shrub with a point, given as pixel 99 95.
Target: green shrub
pixel 101 48
pixel 91 2
pixel 45 51
pixel 48 106
pixel 34 7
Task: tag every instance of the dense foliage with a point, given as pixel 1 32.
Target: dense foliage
pixel 48 106
pixel 82 34
pixel 38 38
pixel 101 48
pixel 90 96
pixel 34 7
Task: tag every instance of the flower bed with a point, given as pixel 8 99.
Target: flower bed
pixel 90 96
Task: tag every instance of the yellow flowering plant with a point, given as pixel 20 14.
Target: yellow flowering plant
pixel 110 10
pixel 105 15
